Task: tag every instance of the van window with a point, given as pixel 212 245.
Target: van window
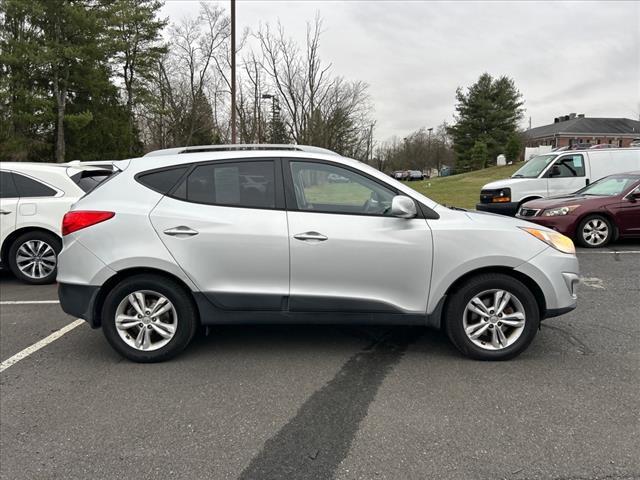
pixel 569 165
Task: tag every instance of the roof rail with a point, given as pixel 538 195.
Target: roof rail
pixel 238 147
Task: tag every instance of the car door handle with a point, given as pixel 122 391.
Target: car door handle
pixel 179 231
pixel 311 236
pixel 5 212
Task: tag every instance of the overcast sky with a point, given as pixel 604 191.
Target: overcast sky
pixel 581 57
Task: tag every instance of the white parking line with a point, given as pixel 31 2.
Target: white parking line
pixel 27 302
pixel 38 345
pixel 609 251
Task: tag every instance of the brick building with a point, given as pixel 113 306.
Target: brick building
pixel 571 129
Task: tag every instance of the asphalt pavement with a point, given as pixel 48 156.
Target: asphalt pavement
pixel 329 402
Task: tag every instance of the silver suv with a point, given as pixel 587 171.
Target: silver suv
pixel 233 235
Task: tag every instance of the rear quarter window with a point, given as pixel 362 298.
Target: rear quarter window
pixel 28 187
pixel 162 181
pixel 7 187
pixel 90 179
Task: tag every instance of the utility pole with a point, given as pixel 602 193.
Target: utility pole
pixel 233 72
pixel 429 145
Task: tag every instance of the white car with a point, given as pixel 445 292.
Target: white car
pixel 33 199
pixel 553 174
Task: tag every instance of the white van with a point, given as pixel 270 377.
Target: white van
pixel 555 173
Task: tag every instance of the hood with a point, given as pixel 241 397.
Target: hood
pixel 497 221
pixel 509 182
pixel 566 200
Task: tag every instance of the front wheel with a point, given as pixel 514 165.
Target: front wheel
pixel 594 231
pixel 147 318
pixel 492 317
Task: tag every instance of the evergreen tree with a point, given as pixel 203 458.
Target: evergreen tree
pixel 488 112
pixel 478 155
pixel 513 148
pixel 135 32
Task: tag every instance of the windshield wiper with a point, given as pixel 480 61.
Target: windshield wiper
pixel 451 207
pixel 517 175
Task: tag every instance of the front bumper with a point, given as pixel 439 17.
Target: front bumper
pixel 507 208
pixel 564 224
pixel 79 301
pixel 557 275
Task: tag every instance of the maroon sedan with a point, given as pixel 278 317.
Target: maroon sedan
pixel 603 211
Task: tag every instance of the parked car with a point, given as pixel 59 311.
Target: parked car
pixel 635 142
pixel 415 175
pixel 580 146
pixel 200 251
pixel 595 215
pixel 602 145
pixel 556 173
pixel 33 199
pixel 401 175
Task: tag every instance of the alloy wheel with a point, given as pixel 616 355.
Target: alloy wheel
pixel 146 320
pixel 494 319
pixel 595 232
pixel 36 259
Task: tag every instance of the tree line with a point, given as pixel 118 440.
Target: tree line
pixel 111 79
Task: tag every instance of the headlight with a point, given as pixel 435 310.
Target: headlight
pixel 553 239
pixel 502 196
pixel 555 212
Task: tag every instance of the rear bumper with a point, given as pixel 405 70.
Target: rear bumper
pixel 79 301
pixel 508 208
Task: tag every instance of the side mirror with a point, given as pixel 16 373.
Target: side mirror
pixel 403 207
pixel 635 195
pixel 555 171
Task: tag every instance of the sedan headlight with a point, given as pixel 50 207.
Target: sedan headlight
pixel 553 239
pixel 556 212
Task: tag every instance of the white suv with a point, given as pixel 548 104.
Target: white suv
pixel 33 199
pixel 212 235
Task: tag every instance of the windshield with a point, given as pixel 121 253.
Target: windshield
pixel 534 167
pixel 609 186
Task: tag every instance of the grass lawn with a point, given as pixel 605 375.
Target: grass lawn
pixel 462 190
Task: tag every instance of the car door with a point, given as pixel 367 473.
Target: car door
pixel 567 174
pixel 627 213
pixel 347 253
pixel 8 205
pixel 226 226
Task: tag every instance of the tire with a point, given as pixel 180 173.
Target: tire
pixel 458 318
pixel 159 348
pixel 601 228
pixel 43 248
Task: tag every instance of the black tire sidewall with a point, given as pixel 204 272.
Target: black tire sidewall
pixel 583 222
pixel 177 295
pixel 457 304
pixel 49 238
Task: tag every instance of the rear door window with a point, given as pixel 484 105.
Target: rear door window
pixel 237 184
pixel 7 187
pixel 28 187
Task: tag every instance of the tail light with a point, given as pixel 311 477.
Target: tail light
pixel 79 219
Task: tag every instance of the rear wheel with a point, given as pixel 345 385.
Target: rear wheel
pixel 147 318
pixel 492 317
pixel 594 231
pixel 33 257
